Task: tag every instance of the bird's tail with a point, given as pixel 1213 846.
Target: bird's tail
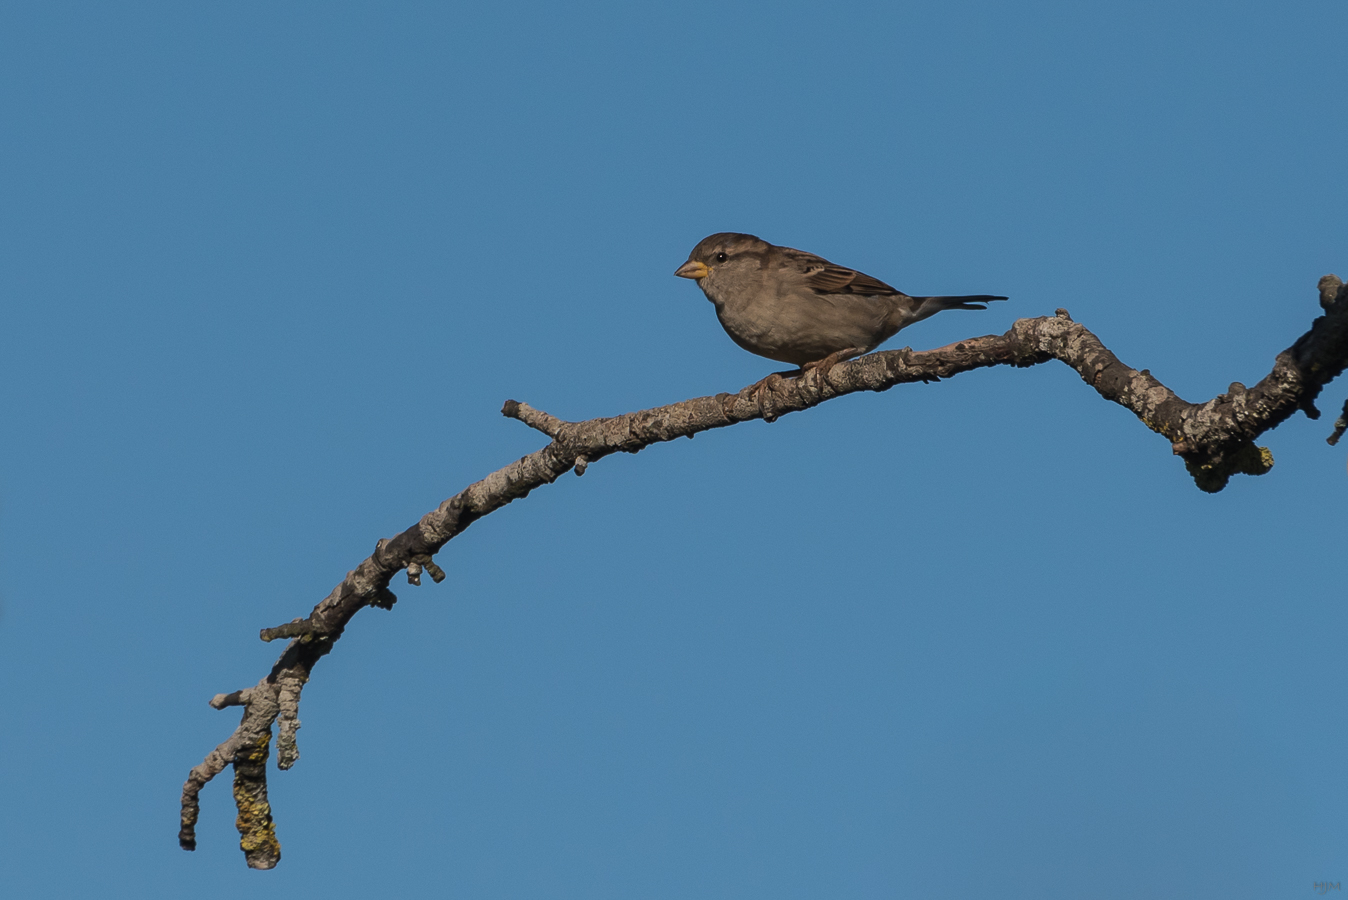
pixel 932 305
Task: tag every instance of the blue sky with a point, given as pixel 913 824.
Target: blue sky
pixel 267 276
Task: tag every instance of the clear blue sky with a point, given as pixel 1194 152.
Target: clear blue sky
pixel 267 275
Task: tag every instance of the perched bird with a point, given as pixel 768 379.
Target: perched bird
pixel 799 308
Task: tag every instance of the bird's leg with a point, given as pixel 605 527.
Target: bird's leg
pixel 824 365
pixel 755 390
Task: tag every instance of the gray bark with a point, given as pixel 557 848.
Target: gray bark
pixel 1215 440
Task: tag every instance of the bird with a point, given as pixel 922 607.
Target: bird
pixel 798 308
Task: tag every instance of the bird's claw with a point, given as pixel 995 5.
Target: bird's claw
pixel 759 392
pixel 768 385
pixel 825 365
pixel 821 367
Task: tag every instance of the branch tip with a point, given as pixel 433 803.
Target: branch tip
pixel 236 698
pixel 293 628
pixel 1340 426
pixel 534 418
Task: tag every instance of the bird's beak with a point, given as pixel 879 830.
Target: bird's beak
pixel 692 269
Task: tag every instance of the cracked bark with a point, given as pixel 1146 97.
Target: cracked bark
pixel 1215 439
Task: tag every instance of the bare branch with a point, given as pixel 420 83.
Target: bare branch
pixel 1214 438
pixel 534 418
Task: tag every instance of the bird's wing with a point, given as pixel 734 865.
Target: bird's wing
pixel 824 277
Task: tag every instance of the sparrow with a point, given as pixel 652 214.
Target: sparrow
pixel 799 308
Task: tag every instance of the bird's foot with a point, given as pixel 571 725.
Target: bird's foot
pixel 760 392
pixel 825 365
pixel 764 390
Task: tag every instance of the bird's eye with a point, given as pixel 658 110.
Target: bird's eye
pixel 721 257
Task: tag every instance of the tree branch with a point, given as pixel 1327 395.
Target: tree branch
pixel 1215 439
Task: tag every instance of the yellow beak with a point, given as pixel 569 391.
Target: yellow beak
pixel 692 269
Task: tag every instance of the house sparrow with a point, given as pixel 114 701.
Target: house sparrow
pixel 799 308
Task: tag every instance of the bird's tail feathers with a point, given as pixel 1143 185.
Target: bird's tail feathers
pixel 972 301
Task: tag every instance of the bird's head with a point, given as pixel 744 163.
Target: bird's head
pixel 717 250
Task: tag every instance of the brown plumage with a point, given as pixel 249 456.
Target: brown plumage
pixel 799 308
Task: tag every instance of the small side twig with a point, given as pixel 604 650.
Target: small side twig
pixel 292 629
pixel 1340 426
pixel 534 418
pixel 237 698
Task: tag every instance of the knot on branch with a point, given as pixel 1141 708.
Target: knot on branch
pixel 415 567
pixel 1213 474
pixel 1331 291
